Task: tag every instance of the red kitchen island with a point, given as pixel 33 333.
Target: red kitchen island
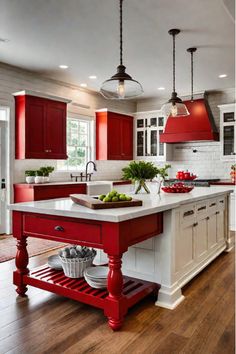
pixel 187 231
pixel 113 238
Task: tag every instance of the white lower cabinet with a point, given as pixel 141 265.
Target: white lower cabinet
pixel 201 232
pixel 201 239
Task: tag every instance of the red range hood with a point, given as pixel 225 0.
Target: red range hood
pixel 198 126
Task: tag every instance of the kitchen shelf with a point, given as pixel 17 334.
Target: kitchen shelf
pixel 55 281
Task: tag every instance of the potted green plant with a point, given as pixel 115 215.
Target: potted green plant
pixel 46 170
pixel 139 172
pixel 30 176
pixel 162 174
pixel 39 177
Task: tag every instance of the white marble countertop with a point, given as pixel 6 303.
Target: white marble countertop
pixel 152 203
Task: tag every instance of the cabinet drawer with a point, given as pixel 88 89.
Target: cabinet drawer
pixel 221 203
pixel 57 228
pixel 201 209
pixel 212 206
pixel 187 213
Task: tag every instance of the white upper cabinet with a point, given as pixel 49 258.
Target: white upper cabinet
pixel 227 131
pixel 147 129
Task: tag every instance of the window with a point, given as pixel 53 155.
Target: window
pixel 79 145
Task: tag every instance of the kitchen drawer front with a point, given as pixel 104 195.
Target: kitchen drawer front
pixel 201 209
pixel 221 203
pixel 57 228
pixel 212 206
pixel 187 214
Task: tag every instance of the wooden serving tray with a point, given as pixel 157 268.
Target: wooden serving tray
pixel 94 203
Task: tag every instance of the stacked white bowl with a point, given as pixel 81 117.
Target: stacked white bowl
pixel 96 277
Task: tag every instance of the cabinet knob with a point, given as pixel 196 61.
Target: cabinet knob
pixel 195 224
pixel 217 212
pixel 207 217
pixel 59 228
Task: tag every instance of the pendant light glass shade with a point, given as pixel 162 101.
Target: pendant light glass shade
pixel 121 85
pixel 175 106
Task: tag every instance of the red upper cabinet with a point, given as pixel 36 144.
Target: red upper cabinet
pixel 114 136
pixel 40 127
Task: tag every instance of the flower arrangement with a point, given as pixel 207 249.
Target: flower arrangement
pixel 233 173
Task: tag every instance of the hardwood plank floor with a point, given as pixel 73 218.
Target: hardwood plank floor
pixel 46 323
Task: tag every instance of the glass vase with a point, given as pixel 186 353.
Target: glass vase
pixel 140 186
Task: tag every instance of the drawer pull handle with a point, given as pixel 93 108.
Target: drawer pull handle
pixel 221 201
pixel 190 212
pixel 213 204
pixel 195 224
pixel 202 208
pixel 59 228
pixel 217 212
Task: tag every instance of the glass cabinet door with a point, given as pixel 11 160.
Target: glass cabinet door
pixel 140 143
pixel 229 134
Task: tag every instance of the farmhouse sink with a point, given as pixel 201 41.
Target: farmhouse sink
pixel 98 187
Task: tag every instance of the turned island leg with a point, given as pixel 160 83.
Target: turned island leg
pixel 22 258
pixel 115 309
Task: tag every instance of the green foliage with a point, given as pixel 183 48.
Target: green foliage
pixel 30 173
pixel 140 170
pixel 162 171
pixel 39 173
pixel 46 170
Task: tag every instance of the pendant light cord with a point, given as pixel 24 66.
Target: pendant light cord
pixel 173 62
pixel 121 32
pixel 191 75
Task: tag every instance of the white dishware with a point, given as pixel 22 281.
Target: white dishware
pixel 54 262
pixel 99 272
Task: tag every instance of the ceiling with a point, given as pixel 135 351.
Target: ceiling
pixel 84 34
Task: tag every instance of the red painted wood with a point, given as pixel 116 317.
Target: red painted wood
pixel 113 238
pixel 22 258
pixel 40 128
pixel 35 117
pixel 31 192
pixel 114 136
pixel 114 311
pixel 55 125
pixel 197 126
pixel 70 230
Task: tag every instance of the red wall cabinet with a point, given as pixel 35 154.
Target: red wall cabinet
pixel 40 127
pixel 114 136
pixel 30 192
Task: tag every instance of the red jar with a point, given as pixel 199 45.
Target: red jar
pixel 187 175
pixel 180 175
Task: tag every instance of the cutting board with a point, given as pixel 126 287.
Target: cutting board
pixel 94 203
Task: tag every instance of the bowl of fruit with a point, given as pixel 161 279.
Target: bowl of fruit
pixel 177 188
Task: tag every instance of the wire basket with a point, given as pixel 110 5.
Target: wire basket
pixel 75 267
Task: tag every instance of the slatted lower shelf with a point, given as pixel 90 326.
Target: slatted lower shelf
pixel 78 289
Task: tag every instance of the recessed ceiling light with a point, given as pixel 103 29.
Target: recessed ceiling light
pixel 92 77
pixel 221 76
pixel 63 66
pixel 83 85
pixel 4 40
pixel 161 88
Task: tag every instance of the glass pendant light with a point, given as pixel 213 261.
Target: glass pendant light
pixel 191 51
pixel 174 107
pixel 121 85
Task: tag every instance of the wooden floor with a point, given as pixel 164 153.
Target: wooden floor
pixel 45 323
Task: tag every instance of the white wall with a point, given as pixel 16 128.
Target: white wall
pixel 206 163
pixel 14 79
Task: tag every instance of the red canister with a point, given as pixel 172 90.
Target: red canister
pixel 180 175
pixel 187 175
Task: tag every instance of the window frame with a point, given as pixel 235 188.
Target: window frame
pixel 90 145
